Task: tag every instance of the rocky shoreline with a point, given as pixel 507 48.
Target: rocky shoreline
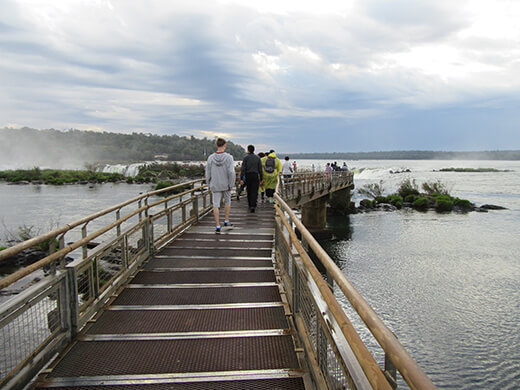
pixel 366 207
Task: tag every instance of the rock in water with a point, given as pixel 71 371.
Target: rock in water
pixel 492 207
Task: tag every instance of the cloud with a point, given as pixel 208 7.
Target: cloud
pixel 267 72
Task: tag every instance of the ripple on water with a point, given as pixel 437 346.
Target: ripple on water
pixel 447 285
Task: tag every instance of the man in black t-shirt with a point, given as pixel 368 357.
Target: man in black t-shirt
pixel 253 173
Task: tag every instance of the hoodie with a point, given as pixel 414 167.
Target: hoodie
pixel 220 172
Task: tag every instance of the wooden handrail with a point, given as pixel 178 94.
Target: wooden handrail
pixel 407 366
pixel 13 250
pixel 367 362
pixel 14 277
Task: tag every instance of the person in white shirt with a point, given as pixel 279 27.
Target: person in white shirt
pixel 287 170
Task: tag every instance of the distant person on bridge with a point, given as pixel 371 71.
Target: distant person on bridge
pixel 272 167
pixel 287 170
pixel 241 181
pixel 261 189
pixel 220 177
pixel 253 175
pixel 328 170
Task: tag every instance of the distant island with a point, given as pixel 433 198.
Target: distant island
pixel 411 155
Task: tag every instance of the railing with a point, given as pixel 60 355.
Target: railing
pixel 40 321
pixel 337 356
pixel 301 187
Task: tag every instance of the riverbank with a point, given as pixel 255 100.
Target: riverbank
pixel 147 173
pixel 58 176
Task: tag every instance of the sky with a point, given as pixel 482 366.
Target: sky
pixel 295 76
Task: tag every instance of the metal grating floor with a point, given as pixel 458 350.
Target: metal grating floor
pixel 201 320
pixel 216 276
pixel 159 327
pixel 197 296
pixel 221 243
pixel 205 263
pixel 229 237
pixel 217 252
pixel 100 358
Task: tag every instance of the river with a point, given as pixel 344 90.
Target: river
pixel 448 285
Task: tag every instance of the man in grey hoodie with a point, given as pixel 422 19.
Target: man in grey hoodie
pixel 220 177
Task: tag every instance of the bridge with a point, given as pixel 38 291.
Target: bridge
pixel 144 295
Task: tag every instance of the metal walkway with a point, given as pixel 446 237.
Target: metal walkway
pixel 205 313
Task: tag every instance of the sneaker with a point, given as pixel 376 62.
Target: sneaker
pixel 252 209
pixel 218 229
pixel 228 224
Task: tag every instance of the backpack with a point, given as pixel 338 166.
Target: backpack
pixel 269 165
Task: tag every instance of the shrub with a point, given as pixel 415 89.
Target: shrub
pixel 442 197
pixel 463 203
pixel 410 198
pixel 443 203
pixel 395 200
pixel 421 203
pixel 163 184
pixel 408 187
pixel 381 199
pixel 366 203
pixel 435 187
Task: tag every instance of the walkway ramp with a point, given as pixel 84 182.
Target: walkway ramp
pixel 205 313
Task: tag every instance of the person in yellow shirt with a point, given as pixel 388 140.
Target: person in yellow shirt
pixel 272 167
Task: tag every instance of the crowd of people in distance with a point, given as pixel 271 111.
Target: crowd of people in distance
pixel 258 174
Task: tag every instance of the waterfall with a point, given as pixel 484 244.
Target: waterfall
pixel 131 170
pixel 128 170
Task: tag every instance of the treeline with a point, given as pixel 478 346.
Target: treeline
pixel 412 155
pixel 93 146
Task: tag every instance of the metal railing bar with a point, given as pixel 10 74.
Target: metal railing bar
pixel 365 358
pixel 183 335
pixel 201 285
pixel 317 375
pixel 206 269
pixel 211 257
pixel 5 282
pixel 30 297
pixel 190 377
pixel 8 252
pixel 407 366
pixel 63 252
pixel 241 305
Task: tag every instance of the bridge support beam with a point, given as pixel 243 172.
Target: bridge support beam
pixel 314 214
pixel 340 201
